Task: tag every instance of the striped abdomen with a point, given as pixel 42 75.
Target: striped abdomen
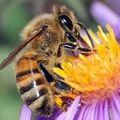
pixel 33 87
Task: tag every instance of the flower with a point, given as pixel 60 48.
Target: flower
pixel 56 115
pixel 103 14
pixel 114 5
pixel 25 113
pixel 95 79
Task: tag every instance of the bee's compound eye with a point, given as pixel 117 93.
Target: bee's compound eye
pixel 64 20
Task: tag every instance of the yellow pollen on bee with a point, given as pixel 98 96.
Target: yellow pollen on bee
pixel 58 101
pixel 96 75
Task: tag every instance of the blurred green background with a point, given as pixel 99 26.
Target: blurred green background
pixel 14 14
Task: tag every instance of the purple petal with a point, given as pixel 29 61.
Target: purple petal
pixel 69 115
pixel 54 115
pixel 81 113
pixel 106 110
pixel 62 116
pixel 114 4
pixel 73 109
pixel 100 111
pixel 96 111
pixel 86 113
pixel 115 106
pixel 25 113
pixel 91 113
pixel 103 15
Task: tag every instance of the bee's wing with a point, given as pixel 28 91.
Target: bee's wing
pixel 17 49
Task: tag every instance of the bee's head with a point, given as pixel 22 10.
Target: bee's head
pixel 67 20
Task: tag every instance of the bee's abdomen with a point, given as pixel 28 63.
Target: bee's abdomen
pixel 32 85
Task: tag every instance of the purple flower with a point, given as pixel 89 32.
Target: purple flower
pixel 114 5
pixel 57 114
pixel 103 14
pixel 25 113
pixel 100 110
pixel 96 80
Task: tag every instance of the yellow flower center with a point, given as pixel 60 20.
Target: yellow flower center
pixel 97 75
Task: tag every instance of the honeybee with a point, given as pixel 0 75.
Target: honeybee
pixel 43 38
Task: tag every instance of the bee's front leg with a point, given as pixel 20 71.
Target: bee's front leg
pixel 70 46
pixel 75 49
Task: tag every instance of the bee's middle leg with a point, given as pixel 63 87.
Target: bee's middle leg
pixel 53 78
pixel 45 72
